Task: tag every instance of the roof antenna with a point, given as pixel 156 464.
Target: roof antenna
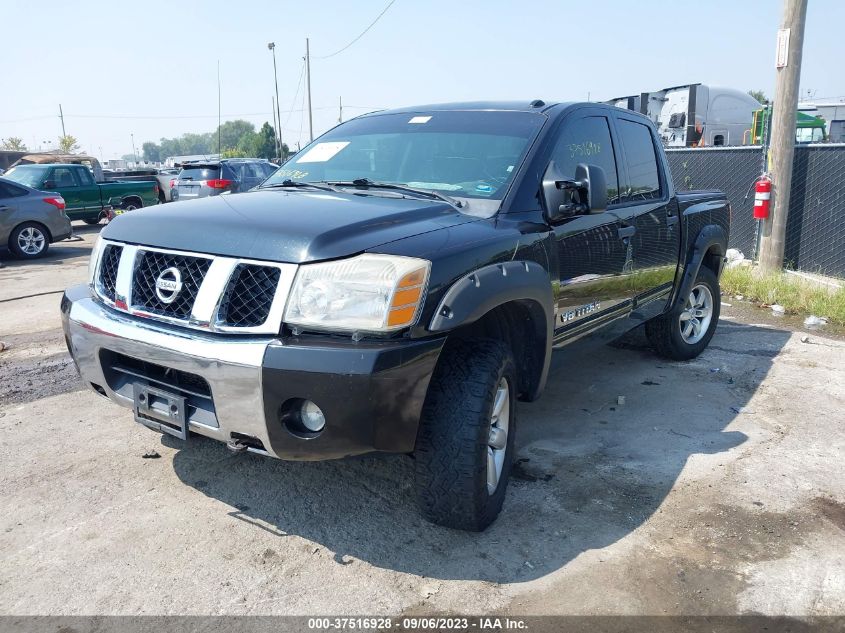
pixel 537 103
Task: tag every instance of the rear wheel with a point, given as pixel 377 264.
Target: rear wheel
pixel 684 332
pixel 29 240
pixel 94 221
pixel 131 204
pixel 465 441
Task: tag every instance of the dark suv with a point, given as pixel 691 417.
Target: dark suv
pixel 211 178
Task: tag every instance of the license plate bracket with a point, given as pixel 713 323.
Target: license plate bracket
pixel 160 410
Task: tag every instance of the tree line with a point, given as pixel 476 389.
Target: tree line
pixel 235 139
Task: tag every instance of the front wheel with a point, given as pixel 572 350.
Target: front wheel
pixel 684 332
pixel 465 441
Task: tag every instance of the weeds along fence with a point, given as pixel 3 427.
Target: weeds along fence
pixel 815 232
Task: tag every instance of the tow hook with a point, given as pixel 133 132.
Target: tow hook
pixel 236 446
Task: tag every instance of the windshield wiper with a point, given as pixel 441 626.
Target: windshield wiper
pixel 298 184
pixel 367 183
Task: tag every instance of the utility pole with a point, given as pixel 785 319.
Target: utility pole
pixel 62 117
pixel 788 64
pixel 275 127
pixel 219 154
pixel 340 109
pixel 308 84
pixel 272 47
pixel 134 155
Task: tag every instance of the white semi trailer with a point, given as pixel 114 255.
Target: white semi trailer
pixel 696 114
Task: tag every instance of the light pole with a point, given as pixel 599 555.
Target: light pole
pixel 272 47
pixel 134 155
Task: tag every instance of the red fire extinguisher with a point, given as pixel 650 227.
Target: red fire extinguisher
pixel 762 197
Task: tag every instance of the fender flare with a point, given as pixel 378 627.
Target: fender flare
pixel 477 293
pixel 709 236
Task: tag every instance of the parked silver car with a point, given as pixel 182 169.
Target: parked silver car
pixel 211 178
pixel 30 219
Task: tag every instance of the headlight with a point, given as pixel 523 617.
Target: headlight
pixel 92 263
pixel 371 293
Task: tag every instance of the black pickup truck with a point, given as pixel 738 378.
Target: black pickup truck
pixel 398 285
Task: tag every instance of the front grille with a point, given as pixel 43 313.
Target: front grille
pixel 238 295
pixel 249 295
pixel 108 270
pixel 150 265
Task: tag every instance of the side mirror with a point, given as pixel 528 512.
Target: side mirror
pixel 586 193
pixel 594 183
pixel 50 184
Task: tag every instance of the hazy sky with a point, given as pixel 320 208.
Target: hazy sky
pixel 150 68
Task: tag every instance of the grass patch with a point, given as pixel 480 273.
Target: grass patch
pixel 796 295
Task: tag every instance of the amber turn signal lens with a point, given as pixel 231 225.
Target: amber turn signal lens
pixel 406 298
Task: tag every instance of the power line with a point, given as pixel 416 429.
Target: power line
pixel 296 94
pixel 372 24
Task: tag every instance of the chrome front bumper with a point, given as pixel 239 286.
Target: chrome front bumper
pixel 371 392
pixel 232 366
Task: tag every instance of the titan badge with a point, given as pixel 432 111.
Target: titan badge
pixel 575 313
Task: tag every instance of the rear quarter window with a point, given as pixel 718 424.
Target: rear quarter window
pixel 8 190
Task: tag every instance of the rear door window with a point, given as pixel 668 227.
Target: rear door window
pixel 641 159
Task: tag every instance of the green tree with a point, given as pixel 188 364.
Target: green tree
pixel 759 95
pixel 152 152
pixel 233 153
pixel 14 144
pixel 231 133
pixel 68 144
pixel 191 143
pixel 265 146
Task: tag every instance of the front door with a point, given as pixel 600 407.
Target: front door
pixel 61 179
pixel 88 193
pixel 593 250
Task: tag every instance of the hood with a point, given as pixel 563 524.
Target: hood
pixel 283 226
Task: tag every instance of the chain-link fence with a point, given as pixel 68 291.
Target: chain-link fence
pixel 815 230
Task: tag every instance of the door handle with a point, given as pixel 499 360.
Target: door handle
pixel 3 207
pixel 671 220
pixel 626 232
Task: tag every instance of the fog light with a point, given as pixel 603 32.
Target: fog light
pixel 312 417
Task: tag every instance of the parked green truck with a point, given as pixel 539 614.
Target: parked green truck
pixel 85 198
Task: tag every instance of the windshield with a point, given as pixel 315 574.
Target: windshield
pixel 29 175
pixel 469 154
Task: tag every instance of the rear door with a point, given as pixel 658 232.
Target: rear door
pixel 656 241
pixel 9 198
pixel 593 250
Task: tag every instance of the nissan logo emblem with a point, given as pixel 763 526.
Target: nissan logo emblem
pixel 168 285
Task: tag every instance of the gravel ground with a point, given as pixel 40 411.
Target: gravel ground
pixel 717 488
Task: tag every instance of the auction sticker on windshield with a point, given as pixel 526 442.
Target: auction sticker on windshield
pixel 322 152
